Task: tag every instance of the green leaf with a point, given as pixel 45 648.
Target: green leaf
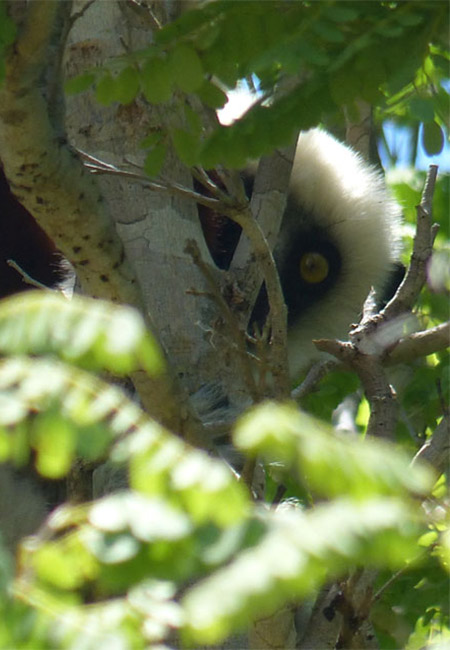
pixel 147 519
pixel 432 138
pixel 344 86
pixel 409 19
pixel 54 438
pixel 389 30
pixel 127 85
pixel 65 563
pixel 328 31
pixel 79 84
pixel 420 589
pixel 339 13
pixel 91 333
pixel 187 69
pixel 444 551
pixel 422 109
pixel 105 90
pixel 333 390
pixel 187 146
pixel 154 160
pixel 156 81
pixel 193 121
pixel 331 465
pixel 298 553
pixel 211 95
pixel 311 53
pixel 73 413
pixel 161 464
pixel 151 139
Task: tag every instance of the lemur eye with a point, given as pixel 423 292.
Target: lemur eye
pixel 314 267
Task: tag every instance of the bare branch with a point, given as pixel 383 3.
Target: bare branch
pixel 379 392
pixel 408 291
pixel 354 605
pixel 79 14
pixel 366 333
pixel 436 450
pixel 376 333
pixel 267 205
pixel 419 344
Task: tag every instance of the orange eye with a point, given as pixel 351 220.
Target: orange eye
pixel 314 267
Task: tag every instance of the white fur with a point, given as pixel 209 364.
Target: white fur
pixel 349 199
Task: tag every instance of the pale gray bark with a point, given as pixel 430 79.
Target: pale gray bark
pixel 154 227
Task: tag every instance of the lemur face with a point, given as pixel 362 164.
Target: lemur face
pixel 340 235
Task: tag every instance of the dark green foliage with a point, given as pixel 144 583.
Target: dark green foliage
pixel 389 54
pixel 433 138
pixel 420 593
pixel 333 388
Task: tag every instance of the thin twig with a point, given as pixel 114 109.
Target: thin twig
pixel 97 166
pixel 278 310
pixel 377 595
pixel 79 14
pixel 27 278
pixel 315 374
pixel 415 277
pixel 236 334
pixel 242 215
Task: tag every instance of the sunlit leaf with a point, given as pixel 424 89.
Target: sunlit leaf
pixel 330 464
pixel 69 413
pixel 91 333
pixel 54 439
pixel 292 560
pixel 64 563
pixel 163 465
pixel 148 519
